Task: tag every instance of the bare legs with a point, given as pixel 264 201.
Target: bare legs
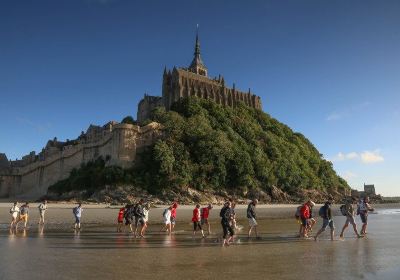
pixel 143 229
pixel 321 231
pixel 25 219
pixel 255 231
pixel 41 219
pixel 364 229
pixel 345 227
pixel 167 227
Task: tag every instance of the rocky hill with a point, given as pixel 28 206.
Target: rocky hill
pixel 210 152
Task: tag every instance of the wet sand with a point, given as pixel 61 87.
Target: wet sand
pixel 98 252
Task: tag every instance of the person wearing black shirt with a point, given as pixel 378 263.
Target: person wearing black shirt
pixel 251 215
pixel 226 217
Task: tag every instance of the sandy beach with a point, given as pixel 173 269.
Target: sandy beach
pixel 99 252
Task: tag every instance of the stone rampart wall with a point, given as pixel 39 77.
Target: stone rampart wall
pixel 120 146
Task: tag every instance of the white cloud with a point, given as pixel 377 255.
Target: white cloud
pixel 346 112
pixel 349 175
pixel 341 156
pixel 371 157
pixel 367 157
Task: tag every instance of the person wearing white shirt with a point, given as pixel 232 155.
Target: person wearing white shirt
pixel 167 220
pixel 42 210
pixel 14 211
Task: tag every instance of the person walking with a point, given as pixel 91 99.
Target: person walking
pixel 23 215
pixel 120 218
pixel 350 213
pixel 167 220
pixel 311 221
pixel 252 216
pixel 226 218
pixel 42 210
pixel 196 221
pixel 146 210
pixel 325 213
pixel 14 211
pixel 364 209
pixel 138 213
pixel 173 214
pixel 205 213
pixel 129 216
pixel 233 217
pixel 305 217
pixel 77 211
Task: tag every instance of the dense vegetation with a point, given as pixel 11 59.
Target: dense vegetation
pixel 129 120
pixel 210 147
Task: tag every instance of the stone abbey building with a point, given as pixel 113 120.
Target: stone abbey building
pixel 117 143
pixel 194 81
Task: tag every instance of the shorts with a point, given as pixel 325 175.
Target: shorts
pixel 327 222
pixel 364 218
pixel 304 221
pixel 128 221
pixel 196 225
pixel 139 220
pixel 23 217
pixel 252 222
pixel 204 221
pixel 120 221
pixel 77 220
pixel 227 229
pixel 167 222
pixel 173 220
pixel 350 220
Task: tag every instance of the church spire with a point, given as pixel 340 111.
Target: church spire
pixel 197 66
pixel 197 45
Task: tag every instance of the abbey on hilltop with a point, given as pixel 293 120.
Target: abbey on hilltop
pixel 194 81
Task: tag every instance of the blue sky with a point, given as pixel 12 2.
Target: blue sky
pixel 328 69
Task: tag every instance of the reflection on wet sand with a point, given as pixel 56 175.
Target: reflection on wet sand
pixel 97 251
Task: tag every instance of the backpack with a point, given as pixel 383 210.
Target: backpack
pixel 134 210
pixel 75 210
pixel 298 214
pixel 222 212
pixel 202 212
pixel 343 210
pixel 165 212
pixel 322 212
pixel 358 210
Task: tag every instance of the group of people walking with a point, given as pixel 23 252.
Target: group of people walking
pixel 21 214
pixel 136 217
pixel 350 209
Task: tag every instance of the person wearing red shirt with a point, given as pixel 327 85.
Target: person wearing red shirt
pixel 305 216
pixel 205 212
pixel 196 220
pixel 121 219
pixel 173 214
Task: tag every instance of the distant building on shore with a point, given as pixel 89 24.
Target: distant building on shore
pixel 369 190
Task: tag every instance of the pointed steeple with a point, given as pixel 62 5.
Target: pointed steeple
pixel 197 45
pixel 197 66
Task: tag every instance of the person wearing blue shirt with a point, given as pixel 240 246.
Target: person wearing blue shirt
pixel 77 214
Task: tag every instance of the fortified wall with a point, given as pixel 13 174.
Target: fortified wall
pixel 31 176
